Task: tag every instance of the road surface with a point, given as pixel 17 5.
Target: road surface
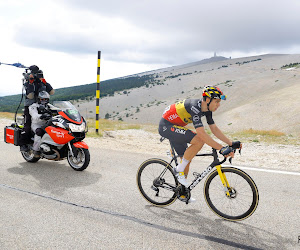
pixel 48 205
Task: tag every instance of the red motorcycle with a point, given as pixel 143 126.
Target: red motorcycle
pixel 63 138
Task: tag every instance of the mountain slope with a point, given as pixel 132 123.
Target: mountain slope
pixel 262 94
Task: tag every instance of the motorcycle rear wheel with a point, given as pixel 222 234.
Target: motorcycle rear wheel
pixel 29 157
pixel 80 162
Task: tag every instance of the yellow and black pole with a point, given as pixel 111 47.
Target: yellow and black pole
pixel 98 92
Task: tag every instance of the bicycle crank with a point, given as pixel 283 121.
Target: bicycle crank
pixel 183 194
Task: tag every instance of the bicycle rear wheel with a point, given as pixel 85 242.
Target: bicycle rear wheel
pixel 156 182
pixel 243 198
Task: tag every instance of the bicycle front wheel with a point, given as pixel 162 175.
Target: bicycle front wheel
pixel 243 198
pixel 156 182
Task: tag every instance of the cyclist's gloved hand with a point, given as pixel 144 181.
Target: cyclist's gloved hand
pixel 45 116
pixel 236 144
pixel 226 150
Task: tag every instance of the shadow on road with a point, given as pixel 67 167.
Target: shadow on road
pixel 54 177
pixel 219 231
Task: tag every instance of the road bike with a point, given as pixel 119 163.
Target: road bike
pixel 229 192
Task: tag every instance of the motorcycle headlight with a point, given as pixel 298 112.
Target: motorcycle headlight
pixel 59 124
pixel 77 128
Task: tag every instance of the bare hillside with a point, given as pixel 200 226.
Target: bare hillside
pixel 261 94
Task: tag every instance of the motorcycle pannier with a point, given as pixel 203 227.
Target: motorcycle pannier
pixel 12 135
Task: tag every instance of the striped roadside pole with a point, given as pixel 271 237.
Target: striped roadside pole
pixel 98 93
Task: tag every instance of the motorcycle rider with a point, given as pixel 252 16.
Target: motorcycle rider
pixel 34 84
pixel 39 118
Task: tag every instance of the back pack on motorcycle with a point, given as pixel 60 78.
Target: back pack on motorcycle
pixel 12 134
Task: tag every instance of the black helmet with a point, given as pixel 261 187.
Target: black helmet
pixel 43 97
pixel 34 69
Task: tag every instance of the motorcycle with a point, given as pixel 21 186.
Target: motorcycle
pixel 63 138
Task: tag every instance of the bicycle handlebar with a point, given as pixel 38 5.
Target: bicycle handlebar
pixel 230 159
pixel 225 158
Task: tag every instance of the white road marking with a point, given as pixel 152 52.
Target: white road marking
pixel 265 170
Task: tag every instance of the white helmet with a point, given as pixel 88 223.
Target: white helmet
pixel 43 97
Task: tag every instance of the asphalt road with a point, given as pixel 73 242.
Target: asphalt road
pixel 48 205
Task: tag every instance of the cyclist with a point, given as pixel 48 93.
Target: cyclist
pixel 178 115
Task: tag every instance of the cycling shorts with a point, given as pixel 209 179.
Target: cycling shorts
pixel 179 136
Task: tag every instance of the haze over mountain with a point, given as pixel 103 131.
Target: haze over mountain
pixel 263 93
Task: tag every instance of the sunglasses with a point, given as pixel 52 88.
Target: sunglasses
pixel 223 97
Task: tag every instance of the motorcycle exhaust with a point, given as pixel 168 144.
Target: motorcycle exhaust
pixel 54 157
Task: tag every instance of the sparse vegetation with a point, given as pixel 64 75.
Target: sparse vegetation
pixel 223 66
pixel 7 115
pixel 227 83
pixel 108 125
pixel 265 136
pixel 244 62
pixel 273 133
pixel 172 76
pixel 291 65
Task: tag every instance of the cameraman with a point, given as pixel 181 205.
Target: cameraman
pixel 34 84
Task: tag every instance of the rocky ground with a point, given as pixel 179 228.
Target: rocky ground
pixel 258 155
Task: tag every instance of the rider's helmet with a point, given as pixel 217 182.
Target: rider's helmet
pixel 213 92
pixel 43 97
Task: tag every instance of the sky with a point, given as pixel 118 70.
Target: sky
pixel 63 37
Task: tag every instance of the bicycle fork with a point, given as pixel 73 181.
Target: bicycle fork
pixel 224 181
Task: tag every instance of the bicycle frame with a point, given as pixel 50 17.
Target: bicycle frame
pixel 216 163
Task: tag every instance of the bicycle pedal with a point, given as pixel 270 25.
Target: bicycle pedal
pixel 183 198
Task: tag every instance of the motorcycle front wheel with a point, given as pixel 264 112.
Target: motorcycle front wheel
pixel 81 161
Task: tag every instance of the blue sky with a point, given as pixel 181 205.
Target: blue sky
pixel 62 37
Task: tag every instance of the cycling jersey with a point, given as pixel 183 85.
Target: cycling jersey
pixel 187 111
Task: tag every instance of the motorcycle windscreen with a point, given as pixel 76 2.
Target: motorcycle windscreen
pixel 71 115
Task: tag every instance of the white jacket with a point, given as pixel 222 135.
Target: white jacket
pixel 36 122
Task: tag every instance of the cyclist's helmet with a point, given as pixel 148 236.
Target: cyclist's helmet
pixel 213 92
pixel 43 97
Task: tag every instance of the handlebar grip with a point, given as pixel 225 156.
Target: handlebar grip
pixel 221 162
